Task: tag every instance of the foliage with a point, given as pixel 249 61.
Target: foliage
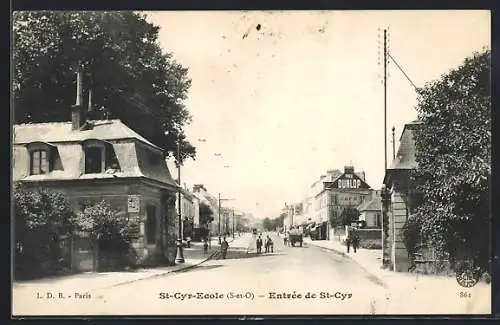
pixel 349 215
pixel 101 221
pixel 274 223
pixel 40 219
pixel 206 214
pixel 334 218
pixel 411 234
pixel 453 152
pixel 109 232
pixel 130 77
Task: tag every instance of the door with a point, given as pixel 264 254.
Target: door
pixel 83 253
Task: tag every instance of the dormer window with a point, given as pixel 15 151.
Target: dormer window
pixel 94 162
pixel 39 162
pixel 42 156
pixel 100 157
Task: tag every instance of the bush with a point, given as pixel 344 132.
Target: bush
pixel 108 232
pixel 40 219
pixel 371 243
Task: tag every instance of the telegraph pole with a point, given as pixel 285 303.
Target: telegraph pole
pixel 393 144
pixel 385 99
pixel 219 218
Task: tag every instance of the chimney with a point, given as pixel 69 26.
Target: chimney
pixel 90 101
pixel 349 169
pixel 77 114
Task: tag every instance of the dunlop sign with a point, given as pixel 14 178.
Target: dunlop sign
pixel 349 183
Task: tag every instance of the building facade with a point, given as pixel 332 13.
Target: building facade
pixel 331 197
pixel 189 210
pixel 97 160
pixel 402 203
pixel 211 200
pixel 370 211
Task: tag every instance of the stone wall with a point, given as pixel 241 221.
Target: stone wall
pixel 370 238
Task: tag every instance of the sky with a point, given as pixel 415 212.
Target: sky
pixel 277 98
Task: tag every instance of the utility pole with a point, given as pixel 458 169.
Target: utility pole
pixel 385 100
pixel 219 219
pixel 393 144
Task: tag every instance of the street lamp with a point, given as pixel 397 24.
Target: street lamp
pixel 179 258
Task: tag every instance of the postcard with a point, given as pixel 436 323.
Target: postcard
pixel 247 163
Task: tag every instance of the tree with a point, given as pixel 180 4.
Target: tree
pixel 267 224
pixel 108 231
pixel 206 214
pixel 334 218
pixel 40 219
pixel 349 215
pixel 453 152
pixel 130 77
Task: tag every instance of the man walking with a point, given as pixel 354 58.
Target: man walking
pixel 269 245
pixel 259 245
pixel 224 246
pixel 352 239
pixel 205 246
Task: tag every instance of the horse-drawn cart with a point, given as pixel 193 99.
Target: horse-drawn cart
pixel 295 236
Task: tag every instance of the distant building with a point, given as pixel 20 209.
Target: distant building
pixel 190 208
pixel 330 196
pixel 212 201
pixel 370 211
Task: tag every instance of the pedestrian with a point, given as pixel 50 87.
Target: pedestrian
pixel 352 239
pixel 224 246
pixel 205 246
pixel 269 245
pixel 259 245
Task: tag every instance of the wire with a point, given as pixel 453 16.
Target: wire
pixel 401 69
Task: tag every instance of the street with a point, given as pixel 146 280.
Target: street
pixel 291 280
pixel 243 283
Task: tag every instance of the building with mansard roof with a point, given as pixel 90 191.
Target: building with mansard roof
pixel 94 160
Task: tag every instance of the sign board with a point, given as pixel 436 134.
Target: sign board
pixel 350 181
pixel 133 203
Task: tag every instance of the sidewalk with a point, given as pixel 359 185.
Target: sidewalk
pixel 193 256
pixel 368 259
pixel 371 262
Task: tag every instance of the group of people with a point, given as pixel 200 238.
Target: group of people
pixel 352 239
pixel 268 244
pixel 224 245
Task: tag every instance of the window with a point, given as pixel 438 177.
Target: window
pixel 39 162
pixel 151 224
pixel 93 160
